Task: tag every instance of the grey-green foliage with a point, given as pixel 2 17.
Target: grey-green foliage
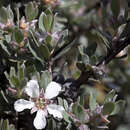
pixel 40 52
pixel 6 14
pixel 78 110
pixel 111 106
pixel 108 108
pixel 3 15
pixel 47 21
pixel 31 11
pixel 45 79
pixel 17 79
pixel 4 125
pixel 43 56
pixel 18 35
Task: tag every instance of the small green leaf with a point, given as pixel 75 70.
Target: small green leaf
pixel 7 75
pixel 82 100
pixel 115 7
pixel 12 72
pixel 48 39
pixel 51 124
pixel 5 47
pixel 78 111
pixel 44 51
pixel 4 125
pixel 39 65
pixel 21 69
pixel 14 81
pixel 48 11
pixel 4 96
pixel 31 11
pixel 35 51
pixel 92 101
pixel 50 22
pixel 60 101
pixel 45 79
pixel 29 70
pixel 3 15
pixel 109 97
pixel 10 13
pixel 40 22
pixel 8 38
pixel 66 117
pixel 23 82
pixel 118 107
pixel 45 22
pixel 18 35
pixel 65 104
pixel 34 38
pixel 108 108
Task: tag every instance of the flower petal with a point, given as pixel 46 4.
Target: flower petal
pixel 34 109
pixel 52 90
pixel 40 120
pixel 32 89
pixel 55 110
pixel 83 127
pixel 22 104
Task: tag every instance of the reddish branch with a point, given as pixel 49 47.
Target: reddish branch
pixel 120 45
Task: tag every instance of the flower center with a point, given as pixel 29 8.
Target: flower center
pixel 41 103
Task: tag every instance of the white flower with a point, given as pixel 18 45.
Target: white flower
pixel 40 102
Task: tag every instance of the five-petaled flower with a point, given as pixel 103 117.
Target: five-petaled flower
pixel 40 102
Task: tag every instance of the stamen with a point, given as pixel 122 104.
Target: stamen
pixel 41 103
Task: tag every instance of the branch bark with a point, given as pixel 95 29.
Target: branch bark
pixel 83 79
pixel 120 45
